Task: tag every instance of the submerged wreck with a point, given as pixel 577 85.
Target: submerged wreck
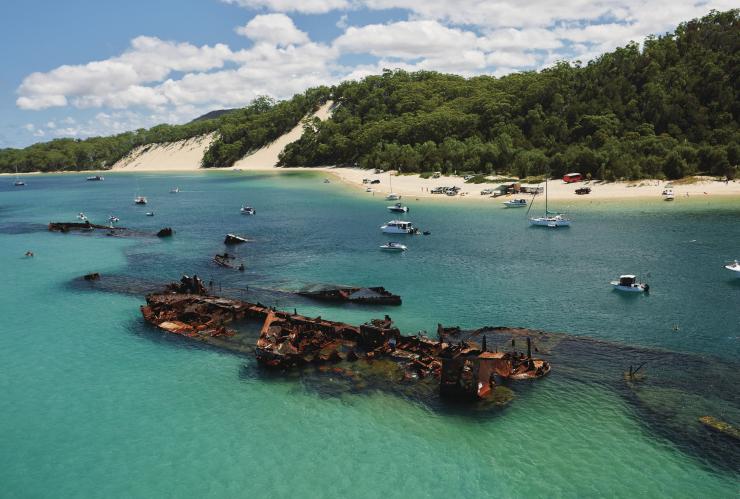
pixel 81 226
pixel 290 340
pixel 368 296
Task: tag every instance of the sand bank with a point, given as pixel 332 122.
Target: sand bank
pixel 170 156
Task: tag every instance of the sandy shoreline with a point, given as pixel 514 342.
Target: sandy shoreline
pixel 413 186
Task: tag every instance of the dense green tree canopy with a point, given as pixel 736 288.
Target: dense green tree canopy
pixel 668 109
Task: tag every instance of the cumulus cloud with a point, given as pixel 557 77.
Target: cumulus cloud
pixel 302 6
pixel 116 82
pixel 275 29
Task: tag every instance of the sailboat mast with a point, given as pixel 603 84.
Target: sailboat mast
pixel 545 195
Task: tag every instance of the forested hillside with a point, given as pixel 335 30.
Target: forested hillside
pixel 668 109
pixel 239 131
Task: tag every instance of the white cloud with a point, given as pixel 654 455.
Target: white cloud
pixel 275 29
pixel 302 6
pixel 116 81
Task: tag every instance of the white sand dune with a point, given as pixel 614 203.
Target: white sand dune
pixel 169 156
pixel 187 154
pixel 267 157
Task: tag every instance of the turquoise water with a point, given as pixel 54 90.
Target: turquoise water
pixel 96 404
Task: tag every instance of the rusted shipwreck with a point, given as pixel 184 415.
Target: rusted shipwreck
pixel 83 226
pixel 290 340
pixel 377 295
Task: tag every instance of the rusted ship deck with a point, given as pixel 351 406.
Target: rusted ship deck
pixel 289 340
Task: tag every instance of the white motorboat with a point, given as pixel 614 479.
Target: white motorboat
pixel 140 200
pixel 734 267
pixel 174 190
pixel 399 227
pixel 398 208
pixel 392 197
pixel 82 216
pixel 391 246
pixel 248 210
pixel 515 203
pixel 369 189
pixel 668 195
pixel 628 282
pixel 150 213
pixel 549 219
pixel 113 219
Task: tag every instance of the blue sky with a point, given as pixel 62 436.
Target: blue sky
pixel 86 67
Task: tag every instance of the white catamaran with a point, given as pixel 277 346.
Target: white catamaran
pixel 549 219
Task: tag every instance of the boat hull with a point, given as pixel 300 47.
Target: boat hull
pixel 637 288
pixel 549 222
pixel 515 205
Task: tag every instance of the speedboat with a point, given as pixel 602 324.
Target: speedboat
pixel 391 246
pixel 629 283
pixel 113 219
pixel 515 203
pixel 174 190
pixel 399 227
pixel 392 197
pixel 95 178
pixel 248 210
pixel 82 216
pixel 668 195
pixel 369 189
pixel 150 213
pixel 398 208
pixel 734 267
pixel 140 200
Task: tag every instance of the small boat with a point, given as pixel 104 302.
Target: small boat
pixel 18 182
pixel 113 219
pixel 398 208
pixel 668 195
pixel 391 246
pixel 327 181
pixel 392 197
pixel 174 190
pixel 234 239
pixel 629 283
pixel 549 219
pixel 369 189
pixel 399 227
pixel 248 210
pixel 82 216
pixel 515 203
pixel 734 267
pixel 150 213
pixel 95 178
pixel 140 200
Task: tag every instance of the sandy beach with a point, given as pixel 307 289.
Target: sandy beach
pixel 186 155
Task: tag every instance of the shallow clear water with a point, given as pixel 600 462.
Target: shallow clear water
pixel 94 403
